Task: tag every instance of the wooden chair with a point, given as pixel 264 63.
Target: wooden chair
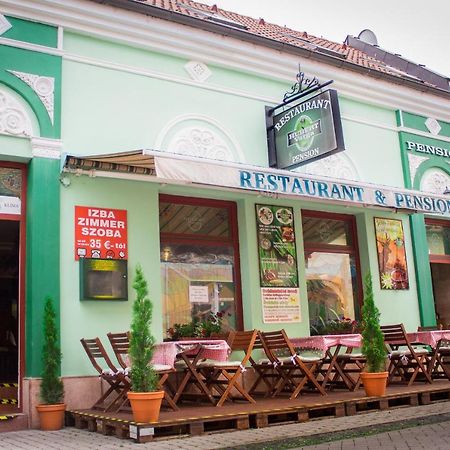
pixel 351 365
pixel 224 376
pixel 120 343
pixel 439 366
pixel 116 395
pixel 294 371
pixel 405 361
pixel 264 371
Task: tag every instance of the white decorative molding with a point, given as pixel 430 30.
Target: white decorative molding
pixel 201 136
pixel 4 24
pixel 435 181
pixel 14 118
pixel 198 71
pixel 414 163
pixel 433 126
pixel 200 142
pixel 46 148
pixel 339 166
pixel 43 86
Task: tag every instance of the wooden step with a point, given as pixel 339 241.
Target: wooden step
pixel 13 422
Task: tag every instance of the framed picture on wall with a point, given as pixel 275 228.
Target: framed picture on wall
pixel 392 263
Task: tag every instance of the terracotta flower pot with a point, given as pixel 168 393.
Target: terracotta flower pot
pixel 145 405
pixel 374 383
pixel 51 416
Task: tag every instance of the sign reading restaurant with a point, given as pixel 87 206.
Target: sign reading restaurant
pixel 278 182
pixel 306 132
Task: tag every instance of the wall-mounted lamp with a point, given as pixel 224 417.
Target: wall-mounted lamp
pixel 65 180
pixel 166 253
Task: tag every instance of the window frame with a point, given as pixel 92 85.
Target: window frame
pixel 434 258
pixel 197 239
pixel 352 250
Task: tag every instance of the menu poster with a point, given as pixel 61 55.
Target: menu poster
pixel 281 305
pixel 391 254
pixel 276 246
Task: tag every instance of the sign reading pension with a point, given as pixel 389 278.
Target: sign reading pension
pixel 100 233
pixel 308 131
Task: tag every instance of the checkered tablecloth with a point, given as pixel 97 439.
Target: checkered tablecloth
pixel 323 343
pixel 428 337
pixel 166 352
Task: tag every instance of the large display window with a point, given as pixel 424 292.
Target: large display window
pixel 332 269
pixel 199 261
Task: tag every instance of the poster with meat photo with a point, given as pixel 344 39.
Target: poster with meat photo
pixel 276 246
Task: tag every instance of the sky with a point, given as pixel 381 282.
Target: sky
pixel 416 29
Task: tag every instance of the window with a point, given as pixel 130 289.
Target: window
pixel 332 267
pixel 199 260
pixel 438 237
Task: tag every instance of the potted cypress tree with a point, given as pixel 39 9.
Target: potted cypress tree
pixel 51 411
pixel 374 376
pixel 144 396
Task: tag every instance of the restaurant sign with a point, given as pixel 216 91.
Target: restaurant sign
pixel 306 132
pixel 278 182
pixel 100 233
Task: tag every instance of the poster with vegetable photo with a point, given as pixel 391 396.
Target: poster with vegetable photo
pixel 276 246
pixel 391 254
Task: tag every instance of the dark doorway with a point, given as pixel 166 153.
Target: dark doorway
pixel 9 312
pixel 440 274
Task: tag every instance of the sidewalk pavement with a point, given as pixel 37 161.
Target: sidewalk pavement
pixel 72 438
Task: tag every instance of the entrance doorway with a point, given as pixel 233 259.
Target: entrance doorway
pixel 9 313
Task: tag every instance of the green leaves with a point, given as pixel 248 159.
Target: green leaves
pixel 52 388
pixel 372 337
pixel 143 376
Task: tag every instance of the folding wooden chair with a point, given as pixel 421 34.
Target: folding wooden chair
pixel 120 343
pixel 263 369
pixel 295 371
pixel 224 376
pixel 405 361
pixel 116 395
pixel 351 365
pixel 439 366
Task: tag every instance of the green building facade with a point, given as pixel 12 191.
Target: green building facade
pixel 83 79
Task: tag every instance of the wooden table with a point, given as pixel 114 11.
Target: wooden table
pixel 326 344
pixel 191 353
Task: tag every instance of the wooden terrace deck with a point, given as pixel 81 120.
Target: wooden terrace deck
pixel 197 418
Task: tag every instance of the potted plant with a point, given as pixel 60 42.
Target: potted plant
pixel 144 396
pixel 374 376
pixel 51 411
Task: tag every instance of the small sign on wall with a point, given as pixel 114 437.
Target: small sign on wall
pixel 198 294
pixel 100 233
pixel 281 305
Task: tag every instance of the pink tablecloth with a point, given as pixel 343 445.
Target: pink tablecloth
pixel 166 352
pixel 323 343
pixel 428 337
